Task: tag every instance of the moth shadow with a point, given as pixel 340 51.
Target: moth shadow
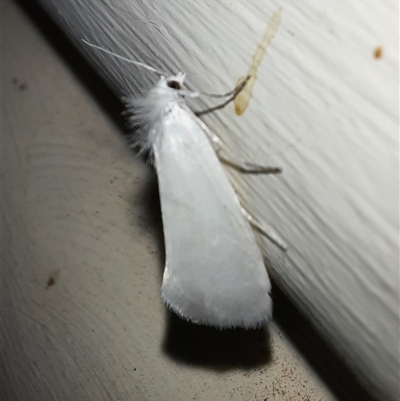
pixel 213 348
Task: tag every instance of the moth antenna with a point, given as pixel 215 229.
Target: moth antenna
pixel 137 63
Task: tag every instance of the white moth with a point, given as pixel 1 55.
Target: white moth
pixel 214 273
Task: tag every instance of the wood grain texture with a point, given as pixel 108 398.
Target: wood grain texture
pixel 325 108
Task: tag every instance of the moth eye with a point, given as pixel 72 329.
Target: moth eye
pixel 174 84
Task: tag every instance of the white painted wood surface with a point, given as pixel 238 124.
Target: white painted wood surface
pixel 325 109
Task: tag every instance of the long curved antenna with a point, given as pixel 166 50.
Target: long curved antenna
pixel 138 63
pixel 231 94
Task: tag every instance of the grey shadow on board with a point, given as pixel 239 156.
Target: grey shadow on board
pixel 215 349
pixel 184 341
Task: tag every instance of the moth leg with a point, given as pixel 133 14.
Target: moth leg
pixel 189 94
pixel 234 92
pixel 211 109
pixel 231 94
pixel 249 168
pixel 242 166
pixel 265 230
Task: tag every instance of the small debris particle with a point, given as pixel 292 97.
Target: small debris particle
pixel 50 281
pixel 378 52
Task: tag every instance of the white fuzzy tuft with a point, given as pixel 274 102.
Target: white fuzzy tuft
pixel 145 115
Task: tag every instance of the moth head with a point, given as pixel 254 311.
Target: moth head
pixel 176 81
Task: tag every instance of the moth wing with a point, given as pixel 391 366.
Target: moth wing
pixel 214 271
